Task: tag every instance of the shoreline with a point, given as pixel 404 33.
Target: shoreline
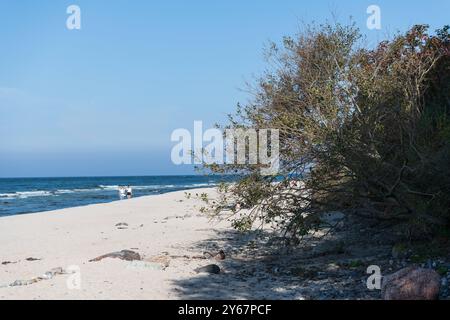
pixel 108 202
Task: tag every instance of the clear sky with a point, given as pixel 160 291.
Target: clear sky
pixel 105 99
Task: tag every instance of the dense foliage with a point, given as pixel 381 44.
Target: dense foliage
pixel 367 130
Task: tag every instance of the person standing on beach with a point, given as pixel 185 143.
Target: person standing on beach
pixel 129 192
pixel 122 193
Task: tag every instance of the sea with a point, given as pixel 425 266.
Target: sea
pixel 30 195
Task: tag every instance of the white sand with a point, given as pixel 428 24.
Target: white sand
pixel 164 223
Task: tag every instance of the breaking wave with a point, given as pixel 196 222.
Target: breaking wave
pixel 46 193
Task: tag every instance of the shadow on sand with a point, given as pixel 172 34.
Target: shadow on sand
pixel 256 267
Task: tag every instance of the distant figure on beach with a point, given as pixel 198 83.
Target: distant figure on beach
pixel 122 193
pixel 129 192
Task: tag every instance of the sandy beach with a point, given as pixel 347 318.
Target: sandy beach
pixel 168 227
pixel 170 233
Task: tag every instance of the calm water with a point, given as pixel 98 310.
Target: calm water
pixel 28 195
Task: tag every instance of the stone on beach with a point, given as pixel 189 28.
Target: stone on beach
pixel 122 225
pixel 32 259
pixel 411 283
pixel 211 269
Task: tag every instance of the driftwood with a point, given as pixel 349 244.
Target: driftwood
pixel 126 255
pixel 206 255
pixel 46 276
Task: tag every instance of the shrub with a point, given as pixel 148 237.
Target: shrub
pixel 366 130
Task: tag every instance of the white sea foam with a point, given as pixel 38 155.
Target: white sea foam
pixel 202 185
pixel 87 190
pixel 147 187
pixel 64 191
pixel 114 187
pixel 25 194
pixel 42 193
pixel 32 194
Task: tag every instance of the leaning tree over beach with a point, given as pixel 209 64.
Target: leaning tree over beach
pixel 367 130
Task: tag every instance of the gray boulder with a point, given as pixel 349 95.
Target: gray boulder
pixel 411 283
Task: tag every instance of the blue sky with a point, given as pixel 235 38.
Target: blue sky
pixel 104 100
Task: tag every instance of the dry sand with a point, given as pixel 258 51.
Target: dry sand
pixel 168 224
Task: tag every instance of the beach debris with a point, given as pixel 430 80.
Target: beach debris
pixel 14 262
pixel 211 269
pixel 146 265
pixel 411 283
pixel 32 259
pixel 122 225
pixel 162 261
pixel 182 257
pixel 126 255
pixel 46 276
pixel 218 256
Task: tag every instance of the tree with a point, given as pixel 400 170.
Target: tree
pixel 366 130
